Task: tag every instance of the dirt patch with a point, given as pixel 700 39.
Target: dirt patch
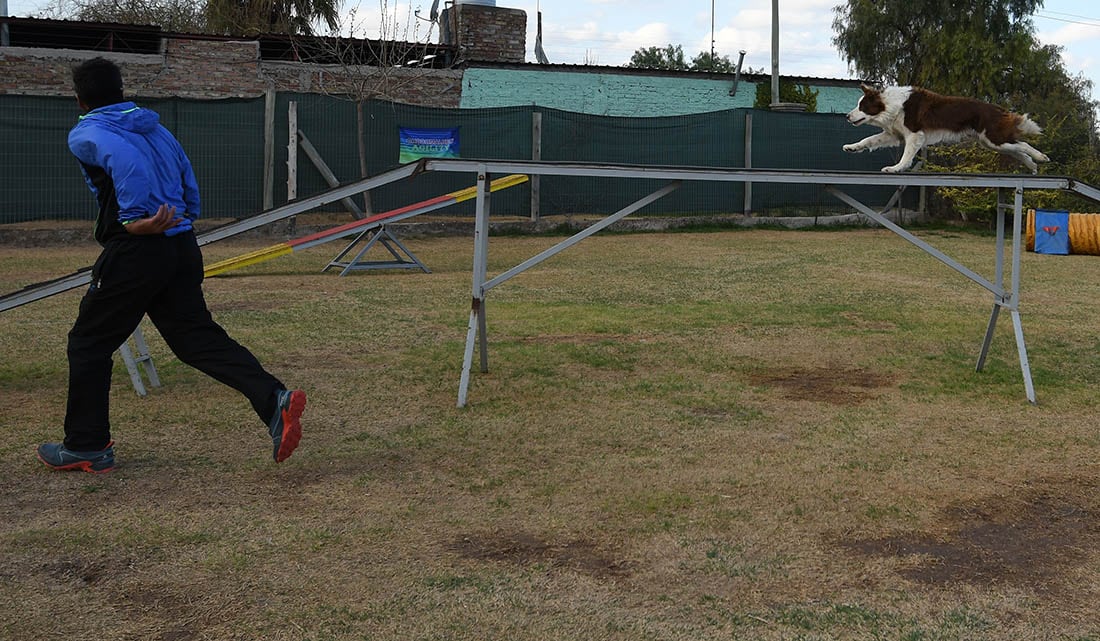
pixel 1032 540
pixel 527 549
pixel 838 386
pixel 74 570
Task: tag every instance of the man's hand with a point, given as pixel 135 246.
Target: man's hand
pixel 158 223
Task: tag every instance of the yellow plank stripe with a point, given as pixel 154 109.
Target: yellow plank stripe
pixel 251 258
pixel 496 185
pixel 282 249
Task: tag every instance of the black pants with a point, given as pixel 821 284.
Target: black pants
pixel 160 276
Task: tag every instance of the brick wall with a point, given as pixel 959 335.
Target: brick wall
pixel 488 34
pixel 213 69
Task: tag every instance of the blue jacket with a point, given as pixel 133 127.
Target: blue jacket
pixel 133 165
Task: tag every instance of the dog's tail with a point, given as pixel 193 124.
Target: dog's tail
pixel 1026 127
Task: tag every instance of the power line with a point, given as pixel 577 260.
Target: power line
pixel 1071 15
pixel 1096 22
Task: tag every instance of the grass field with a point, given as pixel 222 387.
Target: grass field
pixel 685 436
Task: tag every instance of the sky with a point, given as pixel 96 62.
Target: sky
pixel 607 32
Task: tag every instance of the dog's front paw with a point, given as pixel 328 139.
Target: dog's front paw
pixel 853 149
pixel 893 169
pixel 1043 158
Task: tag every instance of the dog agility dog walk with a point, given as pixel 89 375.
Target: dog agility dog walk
pixel 917 117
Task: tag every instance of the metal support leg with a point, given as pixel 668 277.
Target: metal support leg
pixel 483 338
pixel 384 237
pixel 1021 348
pixel 998 280
pixel 988 336
pixel 477 325
pixel 1001 298
pixel 1010 300
pixel 468 354
pixel 131 367
pixel 1017 249
pixel 141 359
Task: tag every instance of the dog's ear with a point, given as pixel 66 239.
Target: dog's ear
pixel 867 89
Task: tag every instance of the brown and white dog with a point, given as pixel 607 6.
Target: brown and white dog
pixel 917 117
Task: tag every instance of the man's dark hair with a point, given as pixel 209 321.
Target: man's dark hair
pixel 98 82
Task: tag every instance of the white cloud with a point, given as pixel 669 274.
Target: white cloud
pixel 1070 33
pixel 365 19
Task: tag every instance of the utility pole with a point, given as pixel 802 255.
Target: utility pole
pixel 775 52
pixel 4 39
pixel 711 33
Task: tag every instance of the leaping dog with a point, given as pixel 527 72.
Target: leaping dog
pixel 917 117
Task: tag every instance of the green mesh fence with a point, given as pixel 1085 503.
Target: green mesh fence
pixel 41 180
pixel 330 125
pixel 711 140
pixel 225 140
pixel 811 141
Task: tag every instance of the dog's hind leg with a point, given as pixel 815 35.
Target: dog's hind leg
pixel 1035 154
pixel 1023 152
pixel 914 141
pixel 1019 154
pixel 1019 150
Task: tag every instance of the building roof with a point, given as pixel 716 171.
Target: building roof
pixel 146 39
pixel 584 68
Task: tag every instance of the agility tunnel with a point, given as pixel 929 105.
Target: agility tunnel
pixel 1062 232
pixel 358 227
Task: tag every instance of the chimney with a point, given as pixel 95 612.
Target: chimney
pixel 484 32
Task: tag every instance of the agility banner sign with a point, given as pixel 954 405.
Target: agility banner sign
pixel 428 143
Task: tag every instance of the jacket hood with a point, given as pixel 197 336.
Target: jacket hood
pixel 126 116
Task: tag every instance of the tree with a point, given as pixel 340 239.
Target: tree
pixel 788 92
pixel 706 61
pixel 670 58
pixel 363 69
pixel 251 17
pixel 916 42
pixel 169 15
pixel 223 17
pixel 984 49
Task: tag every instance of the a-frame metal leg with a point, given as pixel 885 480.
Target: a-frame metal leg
pixel 1009 299
pixel 1017 250
pixel 998 280
pixel 988 336
pixel 403 259
pixel 140 359
pixel 1021 348
pixel 482 284
pixel 483 338
pixel 468 353
pixel 477 325
pixel 131 367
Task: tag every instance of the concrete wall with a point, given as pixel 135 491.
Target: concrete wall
pixel 603 91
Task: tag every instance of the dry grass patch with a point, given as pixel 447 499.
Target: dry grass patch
pixel 737 435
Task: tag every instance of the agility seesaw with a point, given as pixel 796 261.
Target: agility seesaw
pixel 358 228
pixel 83 276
